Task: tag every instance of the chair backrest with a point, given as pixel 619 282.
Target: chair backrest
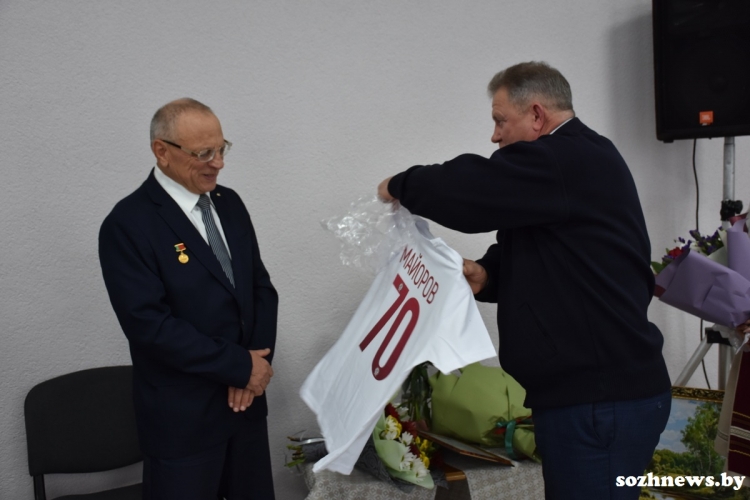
pixel 82 422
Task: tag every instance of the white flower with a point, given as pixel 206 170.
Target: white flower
pixel 392 428
pixel 407 438
pixel 403 412
pixel 407 461
pixel 419 469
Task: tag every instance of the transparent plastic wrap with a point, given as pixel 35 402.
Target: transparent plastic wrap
pixel 737 340
pixel 371 232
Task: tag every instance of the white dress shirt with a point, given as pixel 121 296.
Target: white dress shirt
pixel 563 123
pixel 188 202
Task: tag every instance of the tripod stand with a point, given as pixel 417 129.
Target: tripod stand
pixel 729 208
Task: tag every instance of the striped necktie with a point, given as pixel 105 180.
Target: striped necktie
pixel 215 240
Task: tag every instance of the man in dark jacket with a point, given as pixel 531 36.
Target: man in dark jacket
pixel 183 270
pixel 570 274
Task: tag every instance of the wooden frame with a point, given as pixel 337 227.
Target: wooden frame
pixel 686 447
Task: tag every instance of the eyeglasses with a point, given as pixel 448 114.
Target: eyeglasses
pixel 204 155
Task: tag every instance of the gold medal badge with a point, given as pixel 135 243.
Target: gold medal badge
pixel 183 258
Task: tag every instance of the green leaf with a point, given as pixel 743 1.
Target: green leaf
pixel 657 267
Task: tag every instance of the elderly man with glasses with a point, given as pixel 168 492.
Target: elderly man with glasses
pixel 183 270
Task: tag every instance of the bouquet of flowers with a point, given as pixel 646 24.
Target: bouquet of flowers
pixel 706 245
pixel 395 452
pixel 405 455
pixel 709 280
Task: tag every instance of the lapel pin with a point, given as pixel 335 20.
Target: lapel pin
pixel 180 247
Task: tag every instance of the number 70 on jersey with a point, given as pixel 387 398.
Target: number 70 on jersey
pixel 401 307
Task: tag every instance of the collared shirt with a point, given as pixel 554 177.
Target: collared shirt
pixel 563 123
pixel 188 202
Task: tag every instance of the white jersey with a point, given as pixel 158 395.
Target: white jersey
pixel 419 308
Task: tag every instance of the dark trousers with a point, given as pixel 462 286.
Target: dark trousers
pixel 239 469
pixel 584 448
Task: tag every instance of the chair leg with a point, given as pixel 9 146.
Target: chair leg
pixel 39 493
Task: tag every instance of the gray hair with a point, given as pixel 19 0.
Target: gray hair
pixel 163 122
pixel 525 81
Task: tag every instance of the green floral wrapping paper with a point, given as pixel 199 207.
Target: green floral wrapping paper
pixel 395 455
pixel 470 406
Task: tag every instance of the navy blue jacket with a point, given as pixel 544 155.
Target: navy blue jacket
pixel 570 270
pixel 188 328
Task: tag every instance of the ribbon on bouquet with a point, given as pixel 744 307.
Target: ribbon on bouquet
pixel 508 428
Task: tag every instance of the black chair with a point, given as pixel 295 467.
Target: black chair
pixel 83 422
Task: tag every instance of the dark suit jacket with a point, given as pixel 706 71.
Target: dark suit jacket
pixel 189 330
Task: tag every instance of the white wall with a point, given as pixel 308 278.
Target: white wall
pixel 322 100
